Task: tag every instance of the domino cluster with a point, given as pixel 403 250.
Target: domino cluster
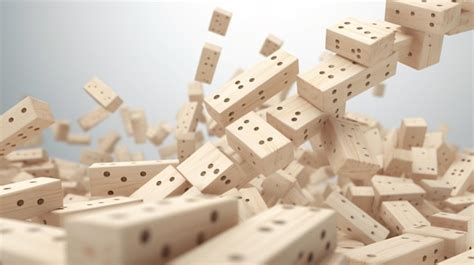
pixel 273 179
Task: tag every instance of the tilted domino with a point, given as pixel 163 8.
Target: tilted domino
pixel 149 233
pixel 309 235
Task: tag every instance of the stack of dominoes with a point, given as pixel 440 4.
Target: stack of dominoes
pixel 250 189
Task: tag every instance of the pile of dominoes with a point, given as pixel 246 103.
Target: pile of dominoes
pixel 281 179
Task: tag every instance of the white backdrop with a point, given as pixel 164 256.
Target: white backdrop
pixel 148 52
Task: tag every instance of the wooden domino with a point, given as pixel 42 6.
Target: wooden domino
pixel 463 258
pixel 44 169
pixel 69 170
pixel 252 88
pixel 361 118
pixel 424 163
pixel 403 249
pixel 276 186
pixel 168 151
pixel 374 142
pixel 186 144
pixel 437 17
pixel 199 139
pixel 93 118
pixel 139 125
pixel 354 221
pixel 257 182
pixel 161 230
pixel 167 183
pixel 305 225
pixel 455 221
pixel 108 141
pixel 79 139
pixel 360 41
pixel 209 170
pixel 344 245
pixel 452 221
pixel 192 192
pixel 436 190
pixel 220 21
pixel 207 63
pixel 23 121
pixel 397 162
pixel 29 156
pixel 59 216
pixel 392 188
pixel 424 50
pixel 30 243
pixel 125 117
pixel 29 198
pixel 399 216
pixel 298 196
pixel 34 141
pixel 402 40
pixel 104 95
pixel 253 200
pixel 249 195
pixel 22 175
pixel 188 117
pixel 461 203
pixel 259 143
pixel 270 45
pixel 246 170
pixel 214 128
pixel 445 153
pixel 362 196
pixel 411 133
pixel 123 178
pixel 246 207
pixel 379 90
pixel 158 134
pixel 336 80
pixel 71 187
pixel 347 151
pixel 313 159
pixel 195 91
pixel 296 170
pixel 455 240
pixel 297 119
pixel 90 156
pixel 60 130
pixel 460 175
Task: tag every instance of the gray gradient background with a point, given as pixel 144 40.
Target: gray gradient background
pixel 148 52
